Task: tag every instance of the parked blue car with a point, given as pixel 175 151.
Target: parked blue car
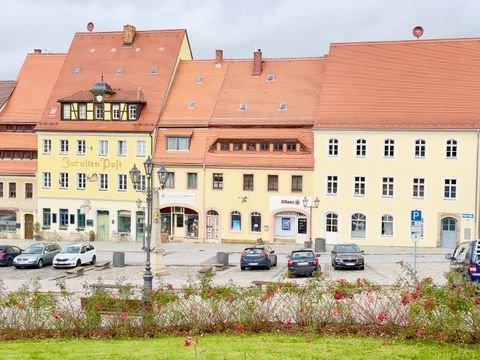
pixel 466 260
pixel 258 257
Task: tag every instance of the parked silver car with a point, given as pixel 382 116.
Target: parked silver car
pixel 37 255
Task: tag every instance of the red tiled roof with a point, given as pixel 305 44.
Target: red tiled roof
pixel 6 88
pixel 18 167
pixel 402 84
pixel 34 84
pixel 297 84
pixel 102 53
pixel 18 141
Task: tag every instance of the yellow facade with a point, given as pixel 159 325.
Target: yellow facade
pixel 445 218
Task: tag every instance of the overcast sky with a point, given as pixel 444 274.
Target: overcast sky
pixel 281 28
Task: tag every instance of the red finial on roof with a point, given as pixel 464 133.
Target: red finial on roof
pixel 417 31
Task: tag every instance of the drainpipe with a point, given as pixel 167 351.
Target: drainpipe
pixel 476 187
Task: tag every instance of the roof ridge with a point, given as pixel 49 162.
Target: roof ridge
pixel 406 41
pixel 305 58
pixel 121 31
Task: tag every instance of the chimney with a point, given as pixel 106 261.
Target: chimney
pixel 37 51
pixel 257 62
pixel 218 56
pixel 128 35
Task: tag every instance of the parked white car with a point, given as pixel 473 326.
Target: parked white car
pixel 75 255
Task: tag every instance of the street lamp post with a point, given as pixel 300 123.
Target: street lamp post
pixel 141 206
pixel 135 178
pixel 315 205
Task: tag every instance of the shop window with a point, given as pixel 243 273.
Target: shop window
pixel 8 221
pixel 124 221
pixel 63 218
pixel 359 226
pixel 235 221
pixel 47 218
pixel 256 222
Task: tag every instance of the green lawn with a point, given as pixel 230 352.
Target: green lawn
pixel 263 346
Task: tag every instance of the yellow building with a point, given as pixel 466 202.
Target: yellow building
pixel 99 122
pixel 397 143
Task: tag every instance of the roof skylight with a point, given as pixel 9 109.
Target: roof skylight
pixel 76 70
pixel 270 77
pixel 243 107
pixel 154 70
pixel 191 104
pixel 200 79
pixel 119 70
pixel 282 106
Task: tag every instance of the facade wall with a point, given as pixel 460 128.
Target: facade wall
pixel 435 168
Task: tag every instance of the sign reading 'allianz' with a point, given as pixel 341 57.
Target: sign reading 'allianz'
pixel 285 202
pixel 101 164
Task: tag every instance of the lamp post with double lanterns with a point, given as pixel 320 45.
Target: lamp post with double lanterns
pixel 310 206
pixel 135 178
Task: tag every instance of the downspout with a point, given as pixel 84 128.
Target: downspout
pixel 476 187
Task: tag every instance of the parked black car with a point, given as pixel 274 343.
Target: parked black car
pixel 347 256
pixel 302 262
pixel 37 255
pixel 466 260
pixel 8 253
pixel 258 257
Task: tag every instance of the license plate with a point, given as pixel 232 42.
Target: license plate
pixel 349 264
pixel 302 263
pixel 252 263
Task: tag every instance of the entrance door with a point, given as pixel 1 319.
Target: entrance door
pixel 178 229
pixel 139 228
pixel 28 223
pixel 331 228
pixel 103 229
pixel 212 225
pixel 302 229
pixel 449 233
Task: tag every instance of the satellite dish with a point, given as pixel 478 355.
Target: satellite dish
pixel 90 26
pixel 417 31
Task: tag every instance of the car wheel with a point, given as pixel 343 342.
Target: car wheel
pixel 94 260
pixel 335 267
pixel 78 263
pixel 10 262
pixel 362 267
pixel 242 268
pixel 40 263
pixel 268 266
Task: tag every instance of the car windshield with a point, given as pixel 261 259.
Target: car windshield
pixel 33 250
pixel 71 250
pixel 347 249
pixel 302 254
pixel 251 251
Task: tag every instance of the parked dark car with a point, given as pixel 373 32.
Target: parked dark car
pixel 258 257
pixel 8 253
pixel 347 256
pixel 37 255
pixel 466 260
pixel 302 262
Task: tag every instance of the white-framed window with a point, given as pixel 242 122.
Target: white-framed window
pixel 255 222
pixel 141 148
pixel 235 221
pixel 192 180
pixel 418 188
pixel 81 181
pixel 178 143
pixel 389 148
pixel 122 182
pixel 81 147
pixel 387 225
pixel 332 147
pixel 170 181
pixel 103 183
pixel 332 184
pixel 82 111
pixel 98 111
pixel 450 188
pixel 359 226
pixel 67 111
pixel 451 149
pixel 47 146
pixel 132 112
pixel 122 148
pixel 361 148
pixel 142 183
pixel 103 147
pixel 420 149
pixel 359 186
pixel 63 180
pixel 387 186
pixel 331 222
pixel 115 111
pixel 63 147
pixel 46 179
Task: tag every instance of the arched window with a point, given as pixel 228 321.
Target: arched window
pixel 387 225
pixel 451 149
pixel 235 221
pixel 420 148
pixel 331 222
pixel 359 226
pixel 255 222
pixel 332 147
